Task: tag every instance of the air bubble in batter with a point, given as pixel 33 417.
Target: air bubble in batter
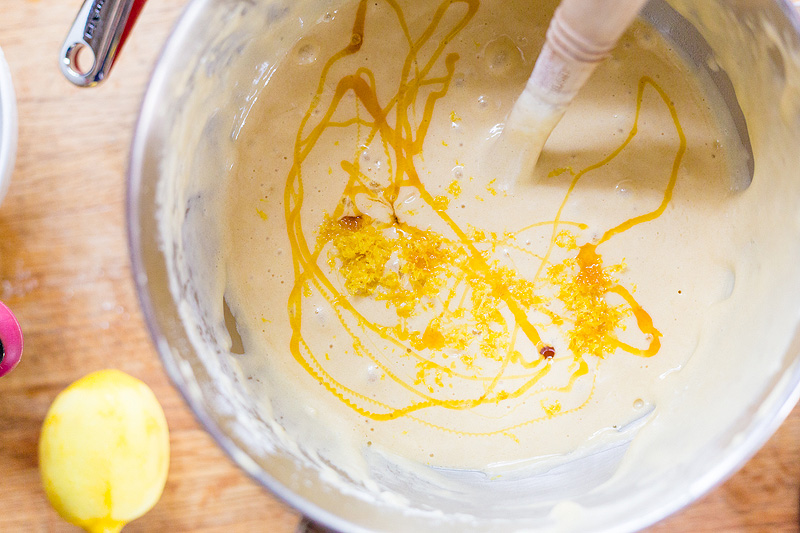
pixel 502 57
pixel 624 187
pixel 306 53
pixel 372 373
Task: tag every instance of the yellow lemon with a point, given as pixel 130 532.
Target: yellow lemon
pixel 104 451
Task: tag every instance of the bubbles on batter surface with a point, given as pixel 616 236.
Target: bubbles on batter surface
pixel 329 16
pixel 373 373
pixel 484 103
pixel 624 188
pixel 306 52
pixel 503 57
pixel 645 37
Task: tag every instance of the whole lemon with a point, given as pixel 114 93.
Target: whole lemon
pixel 104 451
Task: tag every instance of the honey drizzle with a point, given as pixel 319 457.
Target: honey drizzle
pixel 405 141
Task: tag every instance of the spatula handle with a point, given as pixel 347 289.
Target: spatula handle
pixel 580 35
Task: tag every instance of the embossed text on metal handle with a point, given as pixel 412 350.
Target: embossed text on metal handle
pixel 93 41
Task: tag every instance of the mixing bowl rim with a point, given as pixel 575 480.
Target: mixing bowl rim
pixel 740 453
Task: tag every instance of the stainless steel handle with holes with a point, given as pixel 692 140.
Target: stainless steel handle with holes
pixel 96 37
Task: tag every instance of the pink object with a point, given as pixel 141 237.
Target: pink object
pixel 10 340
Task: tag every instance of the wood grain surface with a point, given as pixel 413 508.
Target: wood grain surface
pixel 64 270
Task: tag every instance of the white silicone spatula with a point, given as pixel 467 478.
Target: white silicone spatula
pixel 581 34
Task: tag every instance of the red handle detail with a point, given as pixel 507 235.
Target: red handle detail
pixel 136 9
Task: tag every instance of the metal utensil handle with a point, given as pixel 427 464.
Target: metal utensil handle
pixel 99 31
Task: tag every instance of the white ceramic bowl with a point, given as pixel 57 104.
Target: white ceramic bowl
pixel 8 126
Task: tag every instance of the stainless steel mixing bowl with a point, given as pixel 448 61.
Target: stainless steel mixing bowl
pixel 762 78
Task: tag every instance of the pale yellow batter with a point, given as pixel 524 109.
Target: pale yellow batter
pixel 392 297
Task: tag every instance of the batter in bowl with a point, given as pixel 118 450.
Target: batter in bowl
pixel 392 299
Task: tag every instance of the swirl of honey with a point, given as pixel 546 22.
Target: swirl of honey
pixel 458 320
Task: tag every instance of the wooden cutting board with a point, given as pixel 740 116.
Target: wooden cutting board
pixel 64 271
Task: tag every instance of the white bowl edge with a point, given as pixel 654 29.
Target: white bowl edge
pixel 8 126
